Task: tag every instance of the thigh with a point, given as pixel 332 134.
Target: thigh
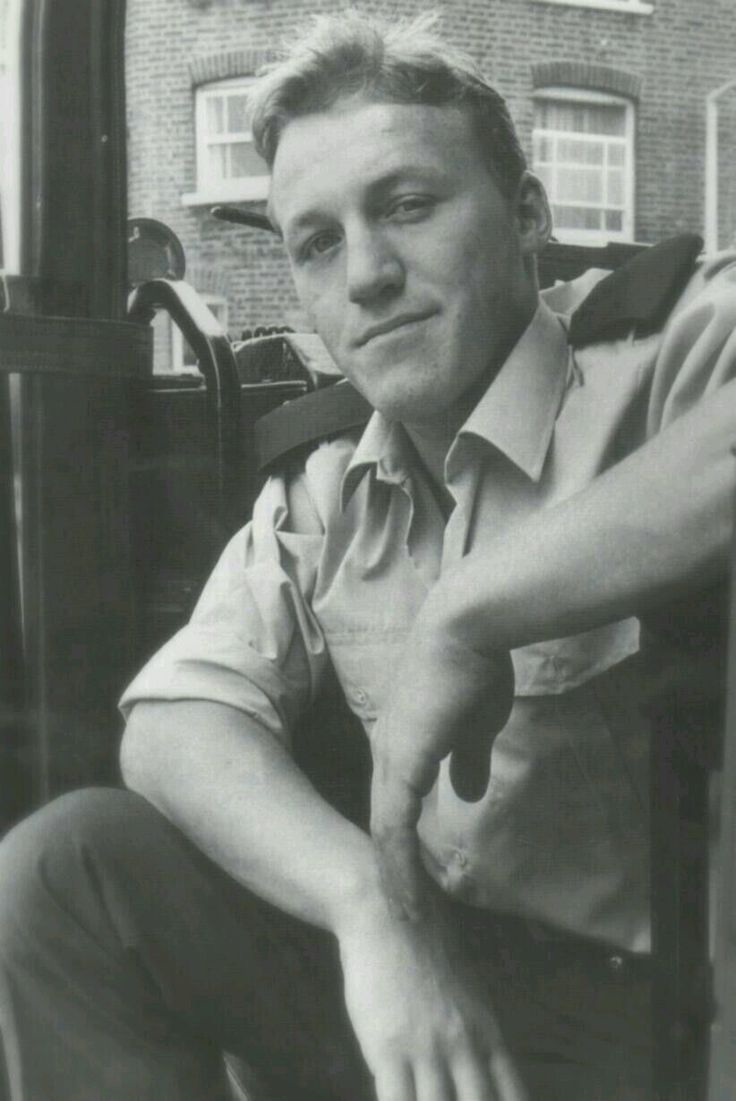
pixel 156 938
pixel 576 1015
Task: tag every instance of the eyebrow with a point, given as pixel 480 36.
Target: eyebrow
pixel 380 185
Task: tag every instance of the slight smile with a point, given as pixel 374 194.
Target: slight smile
pixel 390 325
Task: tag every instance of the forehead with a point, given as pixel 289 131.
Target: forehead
pixel 358 143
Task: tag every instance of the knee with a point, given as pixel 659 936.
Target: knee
pixel 48 859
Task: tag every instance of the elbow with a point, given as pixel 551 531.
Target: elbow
pixel 138 754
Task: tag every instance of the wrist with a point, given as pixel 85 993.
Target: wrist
pixel 362 903
pixel 464 617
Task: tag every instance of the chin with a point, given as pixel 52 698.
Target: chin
pixel 408 400
pixel 411 408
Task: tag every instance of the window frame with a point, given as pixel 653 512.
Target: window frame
pixel 220 308
pixel 594 97
pixel 10 137
pixel 209 189
pixel 628 7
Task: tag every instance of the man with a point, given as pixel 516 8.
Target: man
pixel 477 514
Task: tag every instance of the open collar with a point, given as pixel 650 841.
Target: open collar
pixel 518 411
pixel 516 414
pixel 383 448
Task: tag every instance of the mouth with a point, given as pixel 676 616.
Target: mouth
pixel 402 321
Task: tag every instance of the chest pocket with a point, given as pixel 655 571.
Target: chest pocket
pixel 365 622
pixel 368 594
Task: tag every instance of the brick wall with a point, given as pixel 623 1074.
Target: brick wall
pixel 670 58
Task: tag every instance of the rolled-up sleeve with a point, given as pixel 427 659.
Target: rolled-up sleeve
pixel 252 641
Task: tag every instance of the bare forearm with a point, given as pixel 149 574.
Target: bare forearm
pixel 651 527
pixel 658 522
pixel 230 787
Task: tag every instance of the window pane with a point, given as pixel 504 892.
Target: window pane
pixel 244 161
pixel 575 217
pixel 581 118
pixel 215 115
pixel 579 152
pixel 614 220
pixel 237 121
pixel 219 309
pixel 616 154
pixel 615 187
pixel 605 119
pixel 188 358
pixel 593 152
pixel 583 184
pixel 543 147
pixel 216 162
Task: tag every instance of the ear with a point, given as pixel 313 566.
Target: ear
pixel 532 213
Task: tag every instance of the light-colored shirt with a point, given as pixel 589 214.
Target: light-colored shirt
pixel 340 554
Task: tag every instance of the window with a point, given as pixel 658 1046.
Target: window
pixel 172 354
pixel 583 151
pixel 228 167
pixel 183 359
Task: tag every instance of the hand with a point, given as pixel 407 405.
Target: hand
pixel 445 698
pixel 425 1030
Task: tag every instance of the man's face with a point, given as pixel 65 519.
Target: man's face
pixel 405 255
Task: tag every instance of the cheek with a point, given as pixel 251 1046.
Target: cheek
pixel 321 307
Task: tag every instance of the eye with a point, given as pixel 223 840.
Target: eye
pixel 319 244
pixel 410 206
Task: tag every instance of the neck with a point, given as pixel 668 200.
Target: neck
pixel 432 440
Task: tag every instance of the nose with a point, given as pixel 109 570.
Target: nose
pixel 374 268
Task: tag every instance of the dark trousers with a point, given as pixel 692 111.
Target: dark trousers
pixel 129 963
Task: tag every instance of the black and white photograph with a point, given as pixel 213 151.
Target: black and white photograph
pixel 367 497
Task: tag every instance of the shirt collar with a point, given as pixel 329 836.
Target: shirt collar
pixel 381 447
pixel 516 414
pixel 518 411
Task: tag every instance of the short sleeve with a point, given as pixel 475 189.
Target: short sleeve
pixel 697 354
pixel 252 641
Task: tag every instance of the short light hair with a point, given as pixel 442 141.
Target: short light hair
pixel 402 62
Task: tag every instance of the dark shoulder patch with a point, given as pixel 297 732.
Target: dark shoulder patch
pixel 300 424
pixel 637 295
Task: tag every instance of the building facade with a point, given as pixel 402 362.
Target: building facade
pixel 609 97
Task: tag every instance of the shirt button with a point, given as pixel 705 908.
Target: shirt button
pixel 360 696
pixel 460 858
pixel 616 964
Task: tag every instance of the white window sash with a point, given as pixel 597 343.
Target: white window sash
pixel 211 184
pixel 625 141
pixel 219 308
pixel 629 7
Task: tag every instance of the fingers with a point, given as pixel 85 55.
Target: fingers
pixel 433 1082
pixel 470 1079
pixel 395 1082
pixel 473 1082
pixel 457 701
pixel 509 1086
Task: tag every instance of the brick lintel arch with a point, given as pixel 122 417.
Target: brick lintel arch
pixel 227 65
pixel 582 74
